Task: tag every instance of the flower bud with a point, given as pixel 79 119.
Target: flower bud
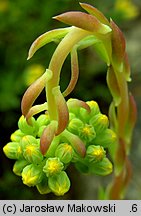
pixel 13 150
pixel 71 116
pixel 31 149
pixel 26 128
pixel 19 166
pixel 75 125
pixel 95 153
pixel 87 133
pixel 16 136
pixel 31 175
pixel 59 184
pixel 27 140
pixel 74 106
pixel 103 167
pixel 64 152
pixel 84 115
pixel 43 187
pixel 99 122
pixel 106 139
pixel 53 166
pixel 32 154
pixel 40 131
pixel 43 120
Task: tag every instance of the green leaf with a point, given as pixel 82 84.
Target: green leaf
pixel 83 21
pixel 95 12
pixel 59 184
pixel 113 86
pixel 102 168
pixel 47 136
pixel 34 90
pixel 62 110
pixel 74 72
pixel 47 38
pixel 118 43
pixel 102 52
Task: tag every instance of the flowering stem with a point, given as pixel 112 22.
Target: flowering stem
pixel 58 58
pixel 123 108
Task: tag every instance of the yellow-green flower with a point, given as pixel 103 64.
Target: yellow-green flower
pixel 95 153
pixel 43 187
pixel 19 166
pixel 64 152
pixel 31 175
pixel 99 122
pixel 53 166
pixel 13 150
pixel 59 184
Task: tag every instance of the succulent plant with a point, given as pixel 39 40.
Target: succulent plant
pixel 75 131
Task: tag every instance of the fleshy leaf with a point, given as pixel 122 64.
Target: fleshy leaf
pixel 76 143
pixel 35 110
pixel 75 103
pixel 112 116
pixel 47 38
pixel 33 91
pixel 95 12
pixel 47 136
pixel 74 72
pixel 102 168
pixel 62 110
pixel 119 161
pixel 131 120
pixel 126 68
pixel 113 85
pixel 101 50
pixel 132 110
pixel 118 43
pixel 87 41
pixel 83 21
pixel 59 183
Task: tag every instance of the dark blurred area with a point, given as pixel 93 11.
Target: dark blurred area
pixel 21 22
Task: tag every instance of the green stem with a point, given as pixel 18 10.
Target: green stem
pixel 123 108
pixel 58 58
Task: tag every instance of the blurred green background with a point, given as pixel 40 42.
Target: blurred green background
pixel 21 22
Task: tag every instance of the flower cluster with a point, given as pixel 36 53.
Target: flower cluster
pixel 83 143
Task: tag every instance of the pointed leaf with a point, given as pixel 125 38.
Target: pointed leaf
pixel 74 72
pixel 33 91
pixel 87 41
pixel 47 38
pixel 126 68
pixel 75 103
pixel 84 21
pixel 113 85
pixel 95 12
pixel 47 136
pixel 102 52
pixel 118 43
pixel 132 111
pixel 119 161
pixel 35 110
pixel 62 110
pixel 76 143
pixel 113 117
pixel 132 118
